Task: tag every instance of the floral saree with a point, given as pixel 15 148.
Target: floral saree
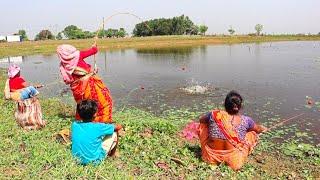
pixel 235 157
pixel 89 86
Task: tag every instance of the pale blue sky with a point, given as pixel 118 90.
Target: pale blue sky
pixel 277 16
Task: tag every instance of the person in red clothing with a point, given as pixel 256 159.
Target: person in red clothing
pixel 28 112
pixel 84 82
pixel 19 89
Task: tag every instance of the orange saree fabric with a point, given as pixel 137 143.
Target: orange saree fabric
pixel 236 157
pixel 90 86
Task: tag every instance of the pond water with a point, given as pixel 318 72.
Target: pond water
pixel 274 78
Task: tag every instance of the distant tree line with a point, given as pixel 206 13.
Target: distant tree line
pixel 180 25
pixel 109 33
pixel 168 26
pixel 73 32
pixel 258 28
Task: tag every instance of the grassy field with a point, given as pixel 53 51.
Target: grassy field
pixel 148 140
pixel 48 47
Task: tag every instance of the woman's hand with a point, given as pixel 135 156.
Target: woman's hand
pixel 204 118
pixel 259 128
pixel 94 44
pixel 95 41
pixel 263 129
pixel 38 85
pixel 118 127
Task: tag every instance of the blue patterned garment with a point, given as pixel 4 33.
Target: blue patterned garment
pixel 242 129
pixel 29 92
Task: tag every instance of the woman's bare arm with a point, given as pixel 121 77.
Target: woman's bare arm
pixel 258 128
pixel 89 52
pixel 204 118
pixel 25 84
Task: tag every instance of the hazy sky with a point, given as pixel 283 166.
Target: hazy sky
pixel 277 16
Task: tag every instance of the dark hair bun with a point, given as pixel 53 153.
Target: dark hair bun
pixel 233 102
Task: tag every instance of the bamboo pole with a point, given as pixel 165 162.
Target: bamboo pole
pixel 104 22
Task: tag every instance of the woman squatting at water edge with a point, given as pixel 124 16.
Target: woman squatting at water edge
pixel 28 110
pixel 83 81
pixel 226 136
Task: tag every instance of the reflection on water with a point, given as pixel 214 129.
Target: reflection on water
pixel 184 54
pixel 274 78
pixel 172 51
pixel 8 60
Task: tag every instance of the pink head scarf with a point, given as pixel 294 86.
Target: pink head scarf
pixel 69 57
pixel 13 70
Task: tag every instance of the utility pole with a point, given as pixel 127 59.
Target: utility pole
pixel 103 27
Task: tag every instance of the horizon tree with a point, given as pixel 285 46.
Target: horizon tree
pixel 203 29
pixel 44 35
pixel 231 30
pixel 258 29
pixel 109 33
pixel 73 32
pixel 193 30
pixel 121 33
pixel 23 34
pixel 178 25
pixel 59 36
pixel 88 34
pixel 102 33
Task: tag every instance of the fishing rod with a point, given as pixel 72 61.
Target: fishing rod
pixel 105 22
pixel 282 122
pixel 116 14
pixel 126 99
pixel 53 83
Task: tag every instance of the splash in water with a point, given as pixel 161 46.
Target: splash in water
pixel 197 89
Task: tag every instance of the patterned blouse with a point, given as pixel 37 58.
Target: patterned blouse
pixel 242 129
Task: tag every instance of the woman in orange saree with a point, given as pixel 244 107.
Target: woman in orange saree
pixel 83 81
pixel 227 136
